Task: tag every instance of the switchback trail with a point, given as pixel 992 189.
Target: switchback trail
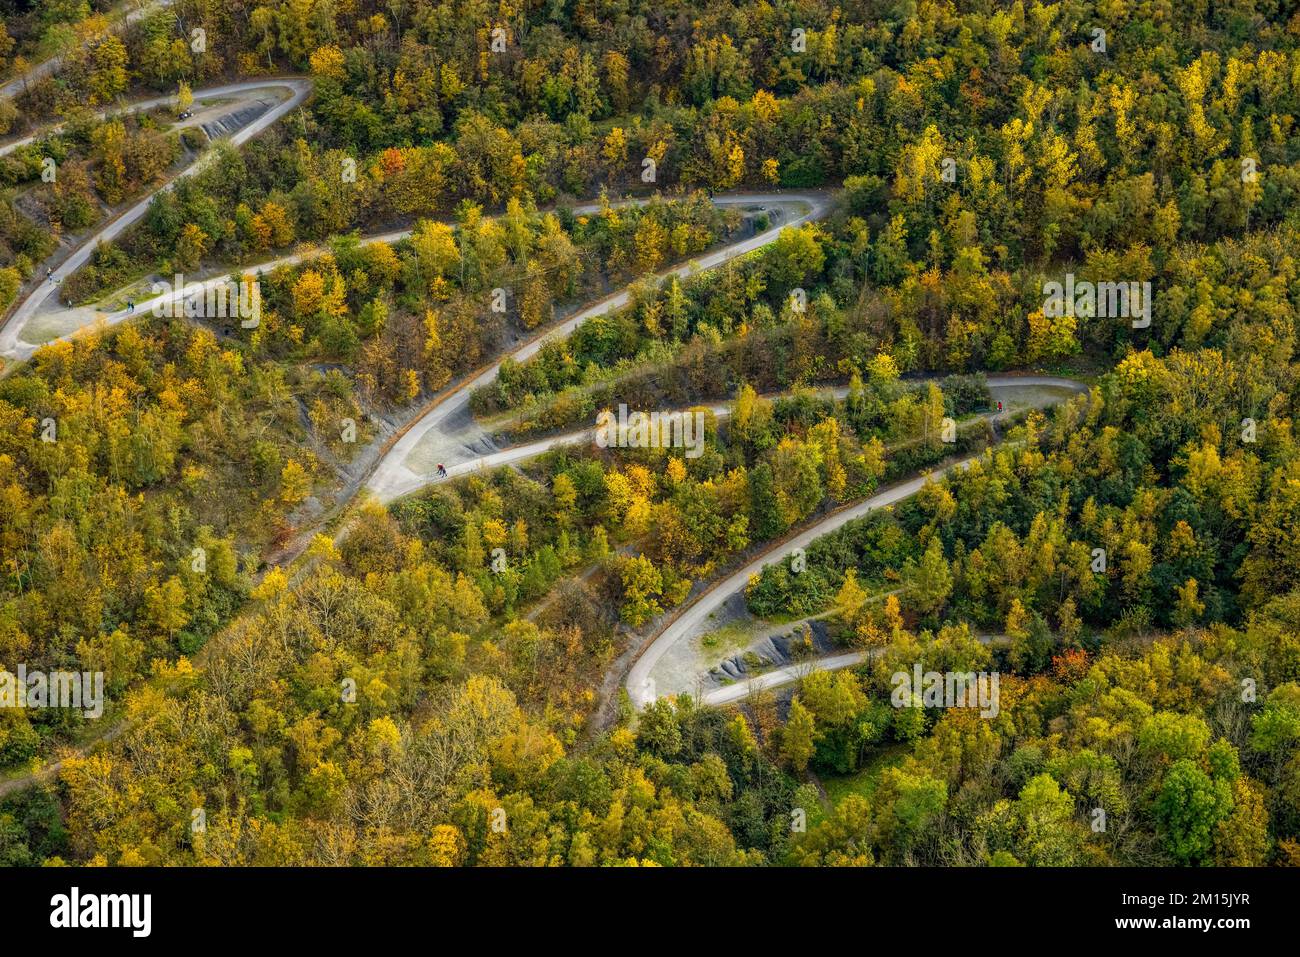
pixel 448 433
pixel 689 621
pixel 391 477
pixel 12 343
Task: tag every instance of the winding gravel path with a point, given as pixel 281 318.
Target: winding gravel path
pixel 688 622
pixel 448 433
pixel 12 344
pixel 391 477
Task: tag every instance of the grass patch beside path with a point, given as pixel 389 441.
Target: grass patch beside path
pixel 863 781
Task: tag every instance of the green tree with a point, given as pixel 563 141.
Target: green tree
pixel 643 585
pixel 797 736
pixel 1189 808
pixel 928 582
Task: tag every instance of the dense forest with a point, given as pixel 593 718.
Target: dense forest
pixel 438 679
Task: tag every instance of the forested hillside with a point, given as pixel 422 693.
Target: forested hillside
pixel 363 588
